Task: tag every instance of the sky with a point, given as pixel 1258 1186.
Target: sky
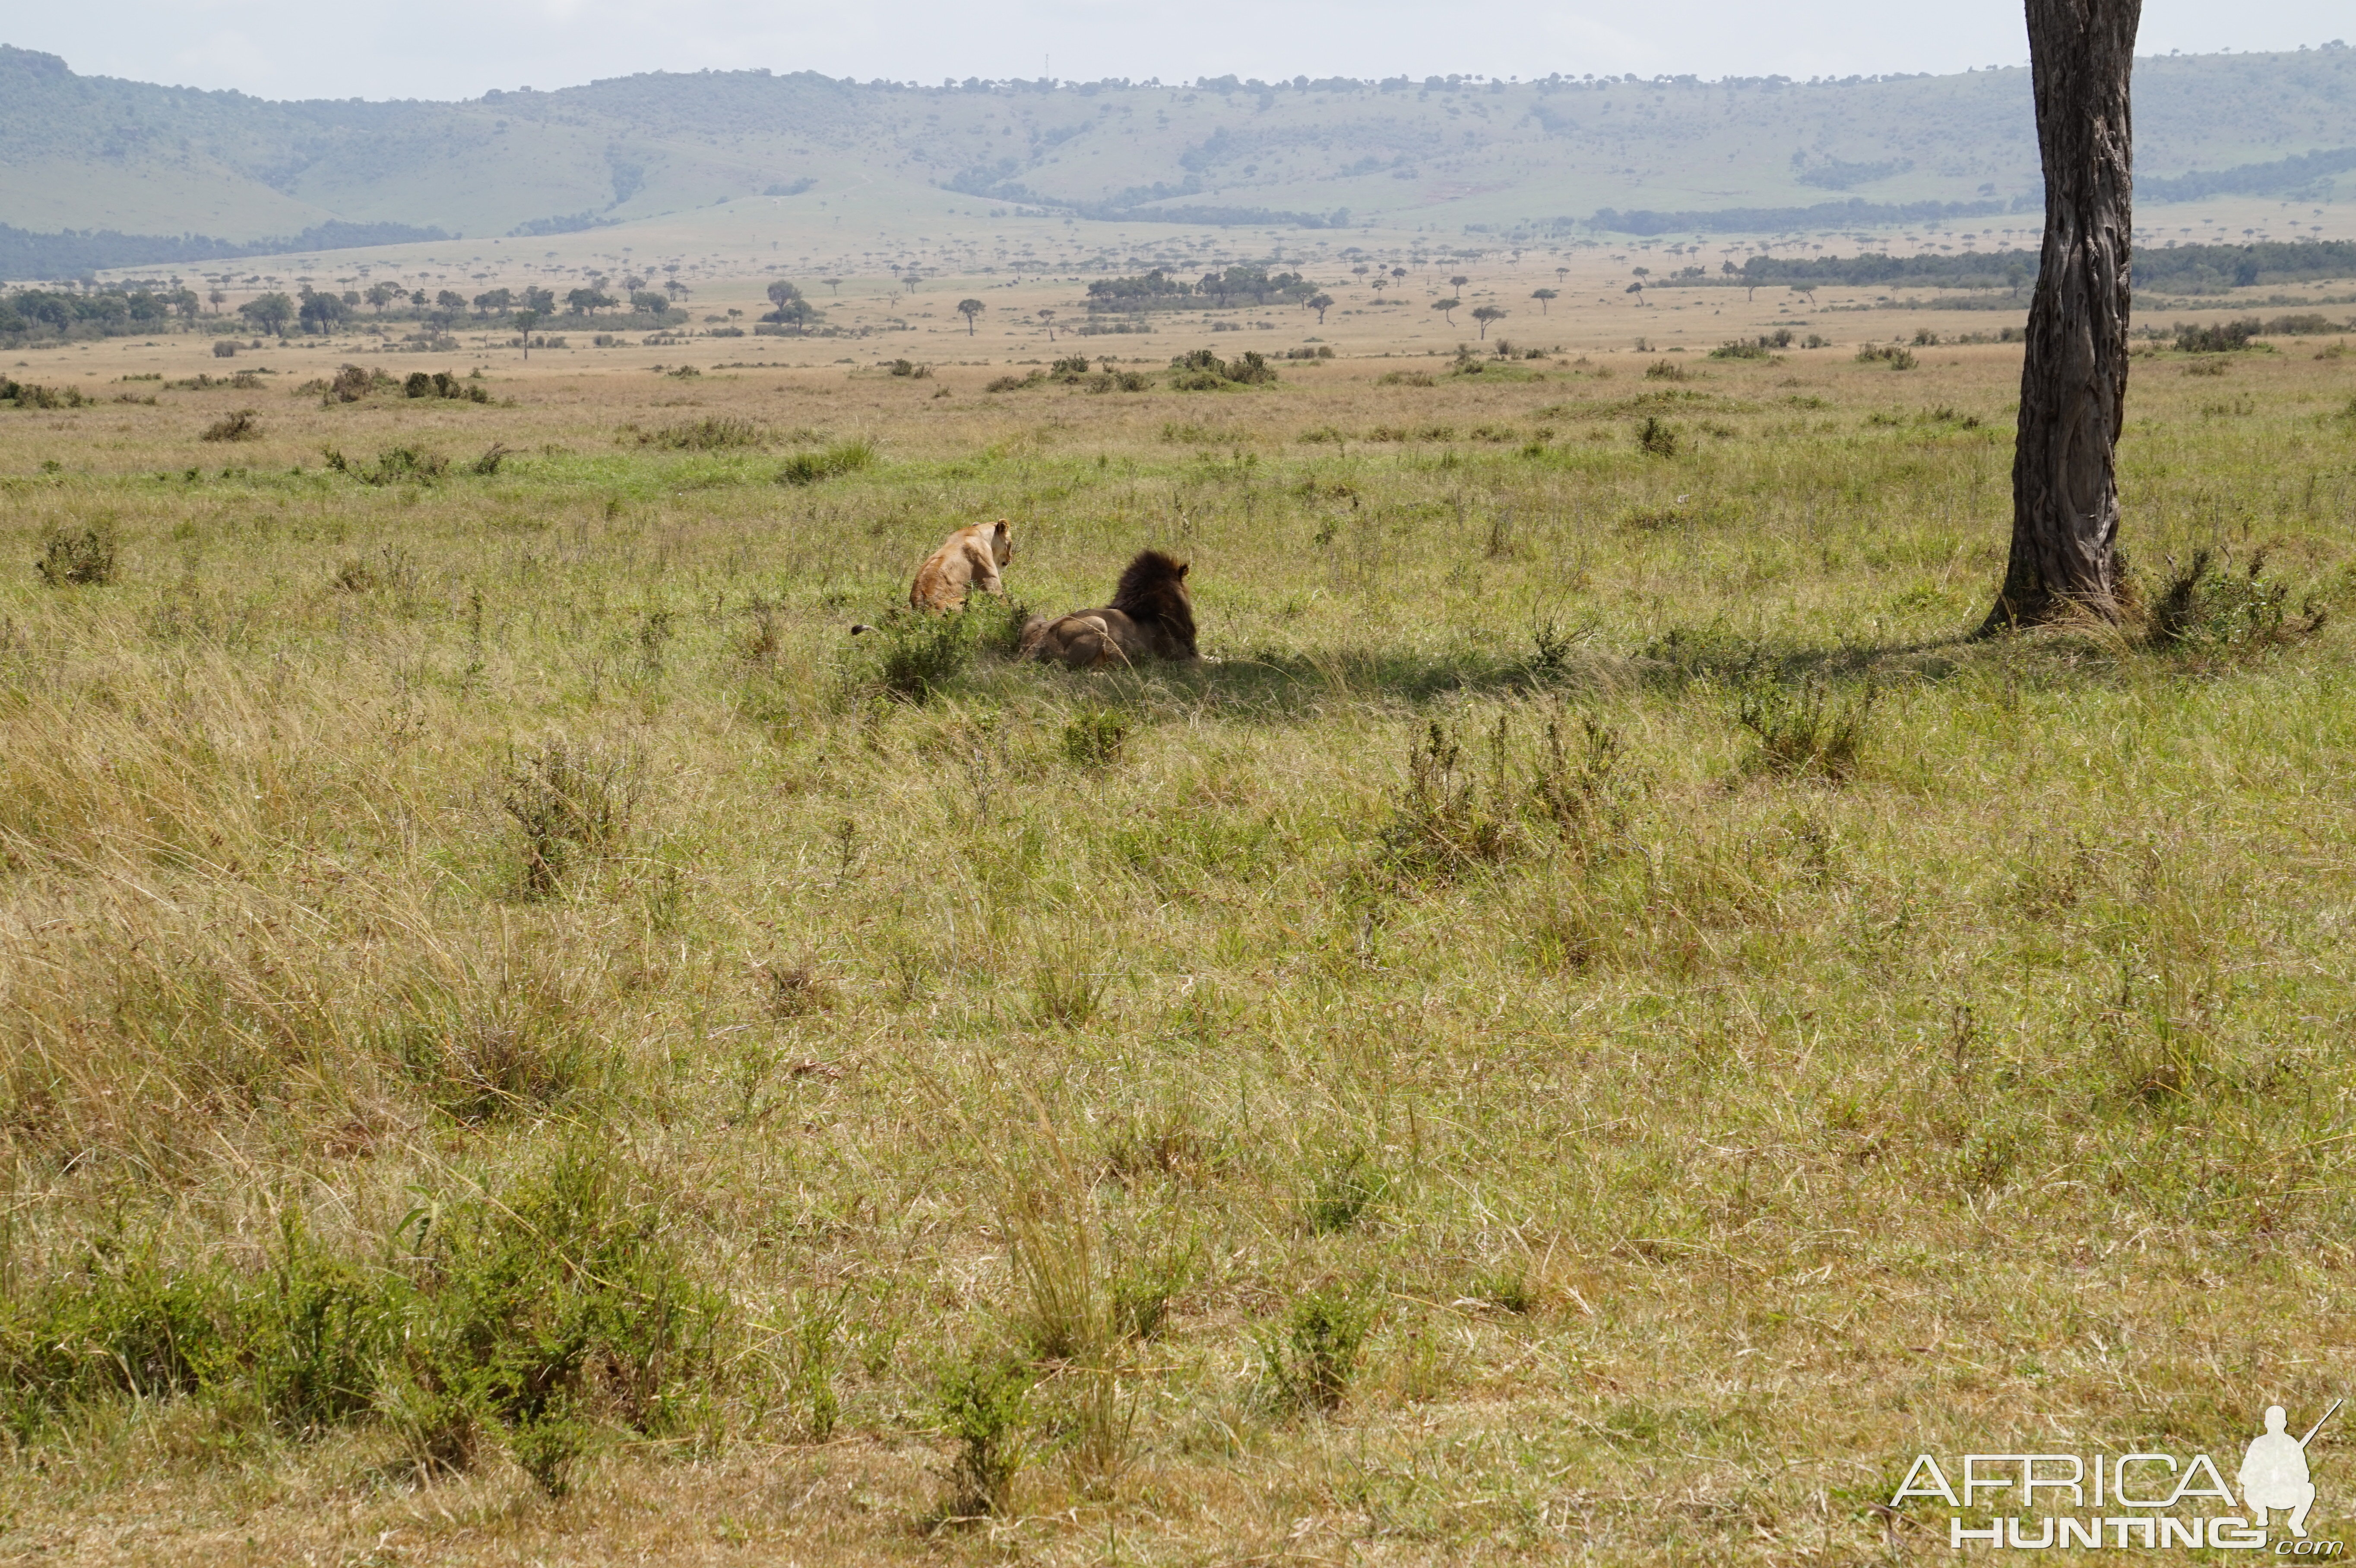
pixel 458 48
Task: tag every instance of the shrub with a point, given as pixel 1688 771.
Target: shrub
pixel 984 1404
pixel 828 463
pixel 242 425
pixel 394 465
pixel 389 569
pixel 25 394
pixel 910 657
pixel 82 557
pixel 1312 1358
pixel 563 1301
pixel 1666 370
pixel 442 384
pixel 1888 354
pixel 1656 437
pixel 708 434
pixel 1095 738
pixel 569 799
pixel 2224 337
pixel 1442 821
pixel 1805 730
pixel 2205 607
pixel 482 1048
pixel 1343 1190
pixel 1204 371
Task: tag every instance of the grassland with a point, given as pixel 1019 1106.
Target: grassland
pixel 1598 1026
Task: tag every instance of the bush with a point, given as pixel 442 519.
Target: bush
pixel 985 1405
pixel 25 394
pixel 1656 437
pixel 1204 371
pixel 1887 354
pixel 829 463
pixel 1442 821
pixel 82 557
pixel 2225 337
pixel 1313 1359
pixel 909 658
pixel 1805 732
pixel 568 800
pixel 707 435
pixel 242 425
pixel 2207 608
pixel 1666 370
pixel 561 1303
pixel 1343 1191
pixel 442 384
pixel 1095 740
pixel 394 465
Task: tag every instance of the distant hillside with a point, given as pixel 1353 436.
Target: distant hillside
pixel 125 174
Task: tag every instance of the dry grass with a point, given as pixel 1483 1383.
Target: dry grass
pixel 1607 1142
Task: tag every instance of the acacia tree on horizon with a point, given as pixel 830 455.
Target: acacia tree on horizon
pixel 1486 314
pixel 2074 372
pixel 969 309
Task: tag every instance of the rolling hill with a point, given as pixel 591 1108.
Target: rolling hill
pixel 99 172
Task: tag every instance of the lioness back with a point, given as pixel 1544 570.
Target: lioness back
pixel 968 558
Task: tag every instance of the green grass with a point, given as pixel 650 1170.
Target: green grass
pixel 494 978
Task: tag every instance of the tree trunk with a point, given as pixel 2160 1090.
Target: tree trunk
pixel 2073 376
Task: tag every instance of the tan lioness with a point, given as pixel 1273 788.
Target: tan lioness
pixel 968 558
pixel 1151 616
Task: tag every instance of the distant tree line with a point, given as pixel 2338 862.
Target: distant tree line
pixel 2183 268
pixel 77 252
pixel 1214 291
pixel 103 313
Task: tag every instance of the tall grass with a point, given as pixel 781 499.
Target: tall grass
pixel 520 1035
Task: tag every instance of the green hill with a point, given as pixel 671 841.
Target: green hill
pixel 95 171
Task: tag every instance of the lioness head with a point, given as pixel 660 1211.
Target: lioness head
pixel 1001 542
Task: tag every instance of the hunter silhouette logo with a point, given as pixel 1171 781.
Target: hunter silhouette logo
pixel 2149 1499
pixel 2273 1472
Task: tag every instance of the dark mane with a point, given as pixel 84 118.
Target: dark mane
pixel 1153 589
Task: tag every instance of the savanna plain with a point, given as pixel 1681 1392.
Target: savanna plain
pixel 1599 1023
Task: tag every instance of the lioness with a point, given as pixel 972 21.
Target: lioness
pixel 968 558
pixel 1151 616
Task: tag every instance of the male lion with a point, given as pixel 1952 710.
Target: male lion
pixel 1151 616
pixel 968 558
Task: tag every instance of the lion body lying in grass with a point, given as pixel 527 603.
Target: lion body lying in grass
pixel 1151 616
pixel 968 558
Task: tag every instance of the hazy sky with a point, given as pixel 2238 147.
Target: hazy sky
pixel 457 49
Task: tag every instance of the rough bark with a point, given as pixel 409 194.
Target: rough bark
pixel 2073 378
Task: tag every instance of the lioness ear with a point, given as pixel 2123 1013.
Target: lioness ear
pixel 1183 566
pixel 1002 528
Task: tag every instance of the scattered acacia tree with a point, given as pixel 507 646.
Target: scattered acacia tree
pixel 525 321
pixel 1320 302
pixel 1398 275
pixel 833 285
pixel 380 295
pixel 1458 282
pixel 269 312
pixel 1445 308
pixel 2073 373
pixel 969 309
pixel 1486 314
pixel 215 299
pixel 1047 319
pixel 1562 274
pixel 1542 295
